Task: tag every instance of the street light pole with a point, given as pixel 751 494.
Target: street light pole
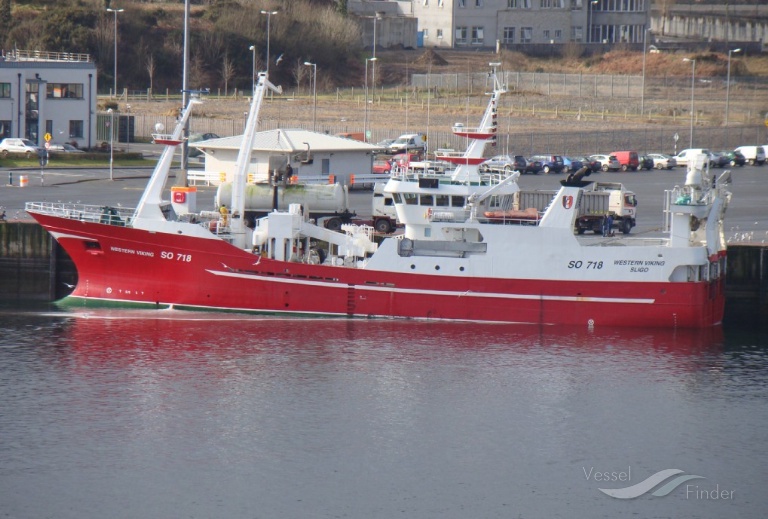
pixel 693 84
pixel 314 92
pixel 252 48
pixel 111 139
pixel 115 11
pixel 728 84
pixel 365 125
pixel 269 17
pixel 642 95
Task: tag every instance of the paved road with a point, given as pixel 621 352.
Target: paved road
pixel 746 219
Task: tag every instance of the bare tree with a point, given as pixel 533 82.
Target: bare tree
pixel 227 72
pixel 299 72
pixel 149 64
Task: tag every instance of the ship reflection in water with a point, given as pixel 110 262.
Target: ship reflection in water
pixel 123 413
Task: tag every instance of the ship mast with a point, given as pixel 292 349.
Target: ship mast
pixel 237 225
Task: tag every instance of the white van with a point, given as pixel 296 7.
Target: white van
pixel 753 154
pixel 410 143
pixel 685 156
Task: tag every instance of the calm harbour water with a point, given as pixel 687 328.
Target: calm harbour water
pixel 154 414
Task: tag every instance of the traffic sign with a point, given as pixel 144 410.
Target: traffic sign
pixel 47 144
pixel 47 137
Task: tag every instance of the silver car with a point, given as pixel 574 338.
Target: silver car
pixel 662 161
pixel 607 162
pixel 14 145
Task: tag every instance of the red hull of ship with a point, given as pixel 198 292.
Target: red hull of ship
pixel 135 266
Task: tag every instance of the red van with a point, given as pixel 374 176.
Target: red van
pixel 627 159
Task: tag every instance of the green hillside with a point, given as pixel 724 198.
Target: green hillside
pixel 151 34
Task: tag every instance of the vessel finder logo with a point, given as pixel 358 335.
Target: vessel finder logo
pixel 651 482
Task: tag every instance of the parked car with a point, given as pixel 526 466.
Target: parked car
pixel 735 158
pixel 646 162
pixel 753 154
pixel 720 159
pixel 594 165
pixel 607 162
pixel 662 161
pixel 685 156
pixel 63 148
pixel 501 163
pixel 628 160
pixel 550 163
pixel 15 145
pixel 571 164
pixel 198 137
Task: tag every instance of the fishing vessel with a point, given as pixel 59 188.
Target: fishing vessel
pixel 452 262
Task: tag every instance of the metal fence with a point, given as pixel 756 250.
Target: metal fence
pixel 599 85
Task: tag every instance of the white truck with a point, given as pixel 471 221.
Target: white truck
pixel 599 201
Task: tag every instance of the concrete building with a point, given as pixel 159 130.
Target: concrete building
pixel 311 154
pixel 48 92
pixel 510 23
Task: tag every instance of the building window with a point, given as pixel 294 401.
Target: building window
pixel 552 4
pixel 439 34
pixel 559 34
pixel 5 90
pixel 509 35
pixel 75 129
pixel 462 4
pixel 461 36
pixel 478 3
pixel 425 32
pixel 439 3
pixel 546 34
pixel 577 33
pixel 576 5
pixel 526 35
pixel 64 91
pixel 5 129
pixel 519 4
pixel 477 36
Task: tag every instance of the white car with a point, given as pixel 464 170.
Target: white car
pixel 14 145
pixel 662 161
pixel 607 162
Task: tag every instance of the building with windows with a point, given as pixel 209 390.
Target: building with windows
pixel 506 23
pixel 48 92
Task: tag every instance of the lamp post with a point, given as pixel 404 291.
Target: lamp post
pixel 642 94
pixel 252 48
pixel 111 139
pixel 314 92
pixel 728 84
pixel 693 84
pixel 269 17
pixel 365 125
pixel 592 3
pixel 115 11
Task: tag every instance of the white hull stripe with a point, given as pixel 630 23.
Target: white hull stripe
pixel 400 290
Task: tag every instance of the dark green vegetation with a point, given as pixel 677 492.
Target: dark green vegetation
pixel 151 39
